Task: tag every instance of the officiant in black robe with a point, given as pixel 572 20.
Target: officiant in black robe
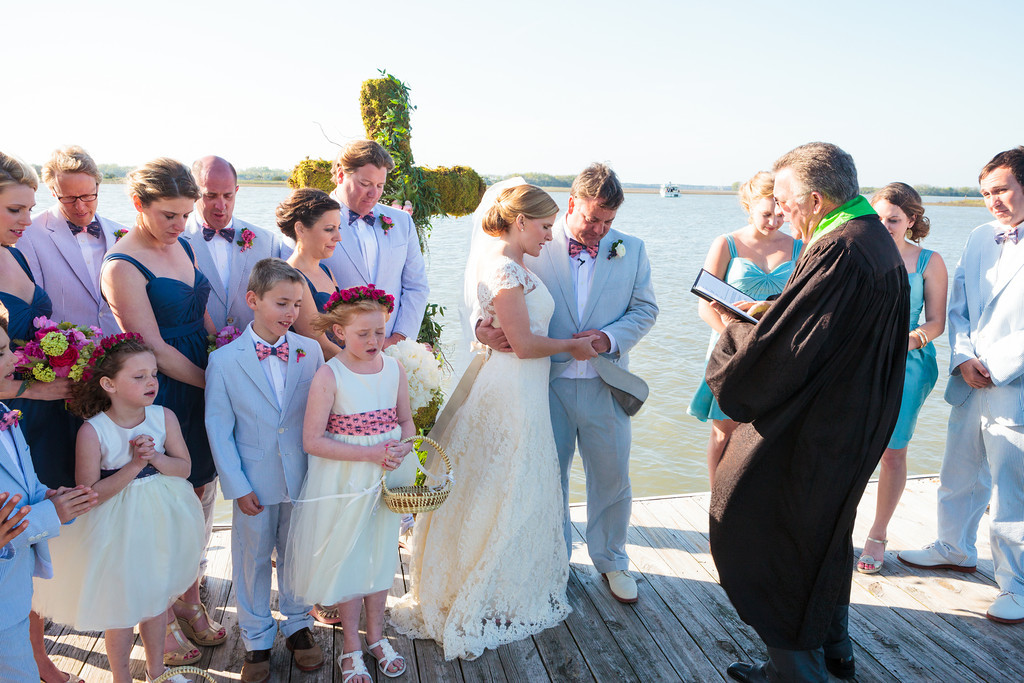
pixel 816 385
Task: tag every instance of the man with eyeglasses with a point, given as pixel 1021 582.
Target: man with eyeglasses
pixel 66 243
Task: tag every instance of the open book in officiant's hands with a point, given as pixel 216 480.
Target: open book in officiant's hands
pixel 726 300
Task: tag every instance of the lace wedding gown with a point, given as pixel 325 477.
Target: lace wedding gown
pixel 489 566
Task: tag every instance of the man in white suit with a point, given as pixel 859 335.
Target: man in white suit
pixel 985 441
pixel 226 247
pixel 379 244
pixel 65 244
pixel 600 279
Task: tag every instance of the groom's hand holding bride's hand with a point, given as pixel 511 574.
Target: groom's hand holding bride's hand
pixel 584 347
pixel 602 344
pixel 492 337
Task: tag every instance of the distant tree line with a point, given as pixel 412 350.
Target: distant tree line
pixel 923 190
pixel 252 174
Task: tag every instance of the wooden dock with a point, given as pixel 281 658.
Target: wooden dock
pixel 907 624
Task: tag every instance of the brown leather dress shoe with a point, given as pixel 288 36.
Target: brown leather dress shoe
pixel 308 655
pixel 256 668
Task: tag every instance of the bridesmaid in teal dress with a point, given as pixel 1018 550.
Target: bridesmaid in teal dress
pixel 313 220
pixel 758 260
pixel 153 287
pixel 900 209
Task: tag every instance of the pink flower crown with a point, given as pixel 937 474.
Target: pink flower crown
pixel 105 346
pixel 354 294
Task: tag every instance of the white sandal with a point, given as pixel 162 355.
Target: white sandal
pixel 872 566
pixel 389 658
pixel 358 666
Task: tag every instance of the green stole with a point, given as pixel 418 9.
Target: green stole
pixel 855 208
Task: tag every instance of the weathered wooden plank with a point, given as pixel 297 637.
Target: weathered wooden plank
pixel 593 637
pixel 562 656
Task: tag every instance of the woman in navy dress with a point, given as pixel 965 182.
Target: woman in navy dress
pixel 312 219
pixel 152 285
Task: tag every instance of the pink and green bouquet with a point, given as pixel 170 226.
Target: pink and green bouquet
pixel 227 334
pixel 56 350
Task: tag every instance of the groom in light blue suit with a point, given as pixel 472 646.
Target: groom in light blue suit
pixel 600 280
pixel 214 234
pixel 254 412
pixel 379 244
pixel 985 441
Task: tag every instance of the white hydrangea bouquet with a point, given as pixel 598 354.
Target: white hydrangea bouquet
pixel 423 371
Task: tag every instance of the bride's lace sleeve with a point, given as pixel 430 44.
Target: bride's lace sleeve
pixel 505 274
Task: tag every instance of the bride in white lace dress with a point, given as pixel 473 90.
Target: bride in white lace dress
pixel 489 566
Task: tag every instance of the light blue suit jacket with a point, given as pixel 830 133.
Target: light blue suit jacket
pixel 58 267
pixel 621 300
pixel 227 299
pixel 986 321
pixel 257 445
pixel 400 269
pixel 27 554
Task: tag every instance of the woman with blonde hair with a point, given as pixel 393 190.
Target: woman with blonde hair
pixel 899 207
pixel 757 259
pixel 508 578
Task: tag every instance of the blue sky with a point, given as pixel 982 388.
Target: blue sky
pixel 694 92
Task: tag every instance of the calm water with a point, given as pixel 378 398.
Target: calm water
pixel 668 445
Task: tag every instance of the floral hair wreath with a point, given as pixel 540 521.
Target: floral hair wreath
pixel 354 294
pixel 105 346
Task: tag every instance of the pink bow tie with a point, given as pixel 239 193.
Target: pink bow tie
pixel 281 351
pixel 576 247
pixel 8 418
pixel 1012 235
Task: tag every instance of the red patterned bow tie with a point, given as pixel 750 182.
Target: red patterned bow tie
pixel 1012 235
pixel 281 351
pixel 576 247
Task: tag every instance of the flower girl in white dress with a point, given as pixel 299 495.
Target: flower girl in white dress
pixel 124 562
pixel 489 566
pixel 343 542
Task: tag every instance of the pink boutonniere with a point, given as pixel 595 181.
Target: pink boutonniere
pixel 118 234
pixel 10 419
pixel 246 239
pixel 386 223
pixel 299 355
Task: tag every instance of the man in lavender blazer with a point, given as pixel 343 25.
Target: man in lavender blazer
pixel 379 244
pixel 66 243
pixel 214 234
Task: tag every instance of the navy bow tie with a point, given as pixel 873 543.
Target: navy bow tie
pixel 353 217
pixel 93 228
pixel 576 247
pixel 1012 235
pixel 226 233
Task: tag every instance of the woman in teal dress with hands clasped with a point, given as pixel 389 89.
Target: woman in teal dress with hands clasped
pixel 757 259
pixel 900 209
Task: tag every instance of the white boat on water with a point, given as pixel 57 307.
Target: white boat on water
pixel 669 190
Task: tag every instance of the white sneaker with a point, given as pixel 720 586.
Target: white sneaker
pixel 621 585
pixel 1008 608
pixel 929 557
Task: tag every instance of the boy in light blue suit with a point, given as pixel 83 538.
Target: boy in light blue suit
pixel 39 512
pixel 256 389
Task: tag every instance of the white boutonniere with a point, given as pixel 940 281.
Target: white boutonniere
pixel 618 250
